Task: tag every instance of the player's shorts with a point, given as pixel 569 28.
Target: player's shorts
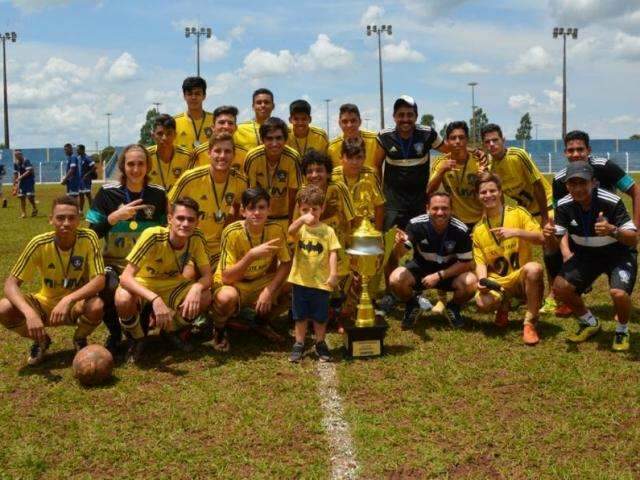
pixel 85 186
pixel 28 190
pixel 172 291
pixel 419 273
pixel 73 191
pixel 582 270
pixel 310 303
pixel 44 306
pixel 249 291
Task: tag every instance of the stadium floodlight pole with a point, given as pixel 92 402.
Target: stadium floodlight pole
pixel 379 31
pixel 564 33
pixel 108 115
pixel 6 37
pixel 157 105
pixel 327 100
pixel 197 32
pixel 473 110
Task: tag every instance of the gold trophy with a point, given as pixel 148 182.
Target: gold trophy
pixel 365 337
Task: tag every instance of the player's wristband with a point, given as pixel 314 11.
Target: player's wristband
pixel 440 275
pixel 154 299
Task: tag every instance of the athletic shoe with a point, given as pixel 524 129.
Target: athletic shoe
pixel 177 341
pixel 297 352
pixel 584 332
pixel 79 343
pixel 529 334
pixel 620 342
pixel 34 213
pixel 135 350
pixel 502 318
pixel 549 306
pixel 220 339
pixel 411 312
pixel 38 350
pixel 322 350
pixel 439 308
pixel 4 203
pixel 563 311
pixel 112 343
pixel 387 303
pixel 452 312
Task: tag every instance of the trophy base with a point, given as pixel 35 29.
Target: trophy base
pixel 363 342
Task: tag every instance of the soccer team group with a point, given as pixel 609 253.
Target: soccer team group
pixel 222 225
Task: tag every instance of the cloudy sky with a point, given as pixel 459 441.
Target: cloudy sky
pixel 76 60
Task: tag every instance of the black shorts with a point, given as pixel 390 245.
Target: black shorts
pixel 419 273
pixel 400 217
pixel 581 271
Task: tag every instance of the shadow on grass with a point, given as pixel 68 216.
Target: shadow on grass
pixel 58 360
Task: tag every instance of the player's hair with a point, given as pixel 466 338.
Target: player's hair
pixel 225 110
pixel 352 147
pixel 577 135
pixel 186 202
pixel 122 177
pixel 164 120
pixel 65 200
pixel 300 106
pixel 190 83
pixel 251 196
pixel 220 137
pixel 459 124
pixel 438 194
pixel 314 157
pixel 80 146
pixel 490 128
pixel 261 91
pixel 272 124
pixel 486 177
pixel 349 108
pixel 310 195
pixel 68 145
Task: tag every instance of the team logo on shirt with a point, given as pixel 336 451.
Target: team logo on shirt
pixel 51 266
pixel 624 276
pixel 228 198
pixel 177 171
pixel 149 210
pixel 281 175
pixel 151 270
pixel 203 197
pixel 76 262
pixel 573 223
pixel 208 131
pixel 310 246
pixel 419 147
pixel 449 246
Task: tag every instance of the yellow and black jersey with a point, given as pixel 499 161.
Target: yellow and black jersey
pixel 519 173
pixel 157 260
pixel 370 145
pixel 277 181
pixel 316 139
pixel 368 175
pixel 201 156
pixel 166 174
pixel 460 184
pixel 61 271
pixel 217 205
pixel 503 258
pixel 248 135
pixel 190 133
pixel 236 243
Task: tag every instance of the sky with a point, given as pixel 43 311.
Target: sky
pixel 74 61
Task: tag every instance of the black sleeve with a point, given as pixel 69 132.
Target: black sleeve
pixel 411 232
pixel 612 172
pixel 464 247
pixel 559 190
pixel 620 217
pixel 98 214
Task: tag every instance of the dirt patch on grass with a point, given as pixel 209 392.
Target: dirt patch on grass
pixel 479 467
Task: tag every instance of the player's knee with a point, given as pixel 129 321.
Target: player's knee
pixel 401 279
pixel 562 288
pixel 125 303
pixel 617 294
pixel 93 310
pixel 533 271
pixel 226 301
pixel 470 282
pixel 485 303
pixel 205 299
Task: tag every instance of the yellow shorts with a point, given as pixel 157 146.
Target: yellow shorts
pixel 249 291
pixel 172 291
pixel 44 306
pixel 513 283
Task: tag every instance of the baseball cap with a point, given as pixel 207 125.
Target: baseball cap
pixel 405 100
pixel 579 169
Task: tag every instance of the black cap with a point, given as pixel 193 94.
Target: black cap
pixel 579 169
pixel 405 101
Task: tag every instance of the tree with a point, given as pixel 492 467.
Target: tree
pixel 635 136
pixel 524 130
pixel 147 128
pixel 443 131
pixel 427 119
pixel 478 121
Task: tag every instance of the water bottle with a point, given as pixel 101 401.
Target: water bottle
pixel 424 303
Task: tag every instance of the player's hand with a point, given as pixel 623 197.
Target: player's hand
pixel 264 302
pixel 35 327
pixel 60 312
pixel 401 237
pixel 307 218
pixel 566 258
pixel 449 165
pixel 483 160
pixel 266 249
pixel 162 313
pixel 129 210
pixel 482 288
pixel 602 226
pixel 549 230
pixel 191 304
pixel 503 233
pixel 430 281
pixel 332 281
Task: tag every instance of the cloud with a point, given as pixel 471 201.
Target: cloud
pixel 260 63
pixel 323 54
pixel 183 23
pixel 583 12
pixel 627 46
pixel 525 102
pixel 401 52
pixel 124 68
pixel 432 8
pixel 624 119
pixel 237 32
pixel 37 5
pixel 213 49
pixel 535 58
pixel 521 102
pixel 465 68
pixel 372 15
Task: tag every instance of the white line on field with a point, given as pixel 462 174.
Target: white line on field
pixel 343 452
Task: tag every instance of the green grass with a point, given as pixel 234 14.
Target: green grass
pixel 474 403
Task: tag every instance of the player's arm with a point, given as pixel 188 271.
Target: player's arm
pixel 333 279
pixel 13 293
pixel 28 172
pixel 235 272
pixel 439 170
pixel 634 193
pixel 541 199
pixel 621 227
pixel 378 157
pixel 535 237
pixel 90 170
pixel 481 265
pixel 72 170
pixel 292 201
pixel 90 289
pixel 297 224
pixel 265 299
pixel 192 303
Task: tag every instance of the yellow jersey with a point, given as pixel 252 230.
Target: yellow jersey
pixel 166 174
pixel 368 175
pixel 61 271
pixel 311 257
pixel 158 262
pixel 216 204
pixel 370 145
pixel 277 181
pixel 201 156
pixel 503 258
pixel 248 135
pixel 236 243
pixel 460 184
pixel 190 133
pixel 316 139
pixel 519 173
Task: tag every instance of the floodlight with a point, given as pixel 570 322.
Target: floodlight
pixel 555 32
pixel 389 29
pixel 575 33
pixel 208 33
pixel 368 30
pixel 187 31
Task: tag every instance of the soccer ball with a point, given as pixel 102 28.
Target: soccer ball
pixel 93 365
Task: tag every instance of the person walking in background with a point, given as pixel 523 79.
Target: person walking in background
pixel 87 172
pixel 25 181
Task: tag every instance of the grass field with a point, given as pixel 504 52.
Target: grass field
pixel 473 403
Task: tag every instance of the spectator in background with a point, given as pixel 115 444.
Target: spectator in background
pixel 25 181
pixel 72 178
pixel 87 172
pixel 3 171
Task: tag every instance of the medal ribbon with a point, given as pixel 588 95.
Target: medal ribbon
pixel 215 192
pixel 193 124
pixel 65 270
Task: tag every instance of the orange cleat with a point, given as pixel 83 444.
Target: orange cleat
pixel 529 334
pixel 563 311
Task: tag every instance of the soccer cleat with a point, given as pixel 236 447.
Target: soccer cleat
pixel 38 351
pixel 620 342
pixel 135 350
pixel 584 332
pixel 563 311
pixel 439 308
pixel 322 350
pixel 79 343
pixel 452 312
pixel 411 312
pixel 549 306
pixel 177 341
pixel 297 352
pixel 220 339
pixel 387 303
pixel 34 212
pixel 529 334
pixel 502 318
